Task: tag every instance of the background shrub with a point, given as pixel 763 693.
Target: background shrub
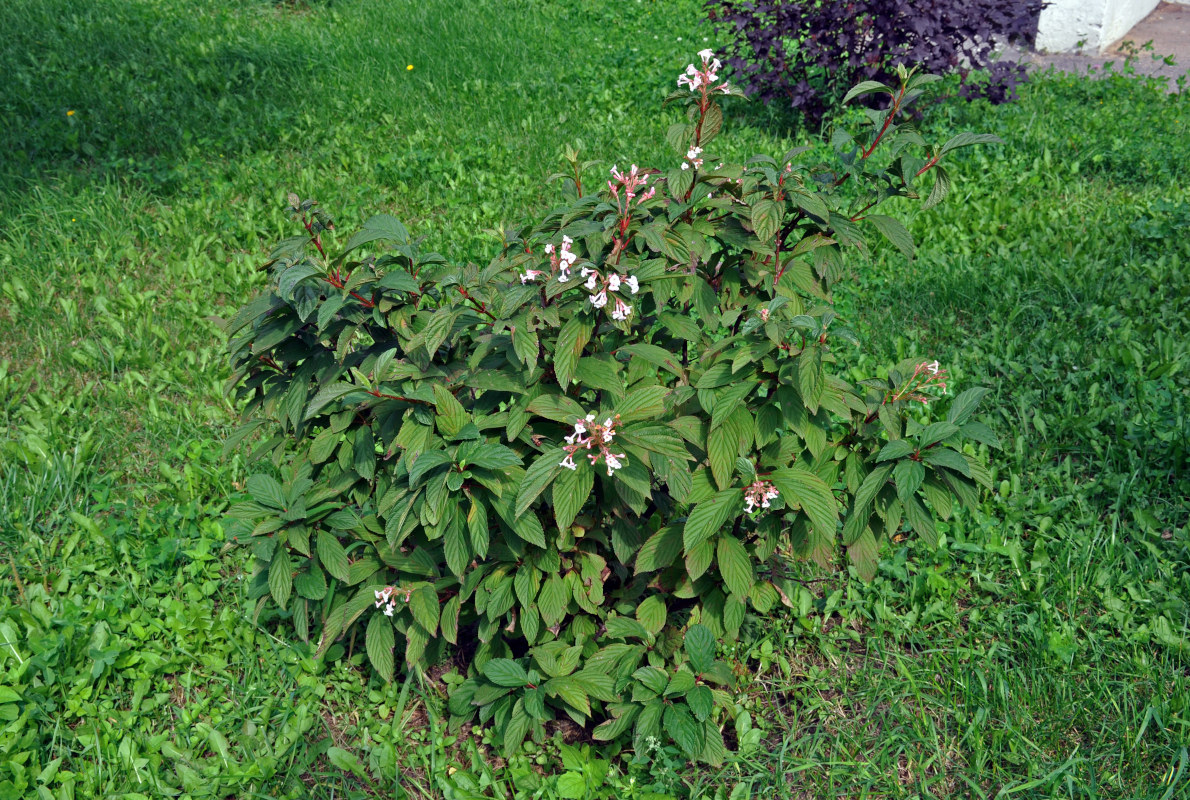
pixel 583 463
pixel 806 54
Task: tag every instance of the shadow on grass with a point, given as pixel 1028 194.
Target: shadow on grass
pixel 135 85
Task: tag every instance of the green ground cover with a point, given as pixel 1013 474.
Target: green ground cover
pixel 1041 652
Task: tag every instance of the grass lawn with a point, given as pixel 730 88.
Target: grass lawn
pixel 145 154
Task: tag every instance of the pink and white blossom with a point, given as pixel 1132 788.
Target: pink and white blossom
pixel 594 438
pixel 759 496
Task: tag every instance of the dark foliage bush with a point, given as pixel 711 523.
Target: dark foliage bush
pixel 807 54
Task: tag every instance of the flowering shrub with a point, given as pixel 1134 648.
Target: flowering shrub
pixel 583 464
pixel 805 54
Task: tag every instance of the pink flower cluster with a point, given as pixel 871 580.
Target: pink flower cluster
pixel 561 260
pixel 631 181
pixel 926 376
pixel 590 436
pixel 759 495
pixel 387 598
pixel 600 286
pixel 702 79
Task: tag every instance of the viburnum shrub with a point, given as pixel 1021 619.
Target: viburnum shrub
pixel 806 53
pixel 581 466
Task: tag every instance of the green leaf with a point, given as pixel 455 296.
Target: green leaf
pixel 951 459
pixel 862 553
pixel 894 231
pixel 451 414
pixel 701 702
pixel 571 489
pixel 492 455
pixel 937 432
pixel 766 218
pixel 516 729
pixel 572 786
pixel 450 619
pixel 699 644
pixel 812 494
pixel 556 407
pixel 734 565
pixel 379 642
pixel 920 520
pixel 857 520
pixel 651 614
pixel 281 577
pixel 723 446
pixel 908 475
pixel 940 190
pixel 656 356
pixel 424 463
pixel 965 404
pixel 423 602
pixel 684 729
pixel 540 474
pixel 659 550
pixel 698 559
pixel 896 449
pixel 266 491
pixel 645 403
pixel 455 547
pixel 865 87
pixel 331 555
pixel 967 139
pixel 709 517
pixel 553 600
pixel 571 340
pixel 505 672
pixel 379 227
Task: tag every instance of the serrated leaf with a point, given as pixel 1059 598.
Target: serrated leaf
pixel 812 494
pixel 571 340
pixel 379 642
pixel 700 645
pixel 505 672
pixel 894 231
pixel 965 404
pixel 540 474
pixel 966 139
pixel 281 577
pixel 896 449
pixel 863 88
pixel 266 491
pixel 734 565
pixel 423 602
pixel 571 489
pixel 331 555
pixel 651 613
pixel 709 517
pixel 908 475
pixel 684 729
pixel 659 550
pixel 940 189
pixel 701 702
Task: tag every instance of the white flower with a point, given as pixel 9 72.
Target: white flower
pixel 613 283
pixel 549 248
pixel 613 462
pixel 631 283
pixel 599 300
pixel 685 165
pixel 933 368
pixel 531 275
pixel 622 311
pixel 568 462
pixel 706 55
pixel 590 418
pixel 586 271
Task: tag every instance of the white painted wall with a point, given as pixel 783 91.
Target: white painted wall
pixel 1094 23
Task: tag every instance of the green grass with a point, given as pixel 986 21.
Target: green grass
pixel 1041 652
